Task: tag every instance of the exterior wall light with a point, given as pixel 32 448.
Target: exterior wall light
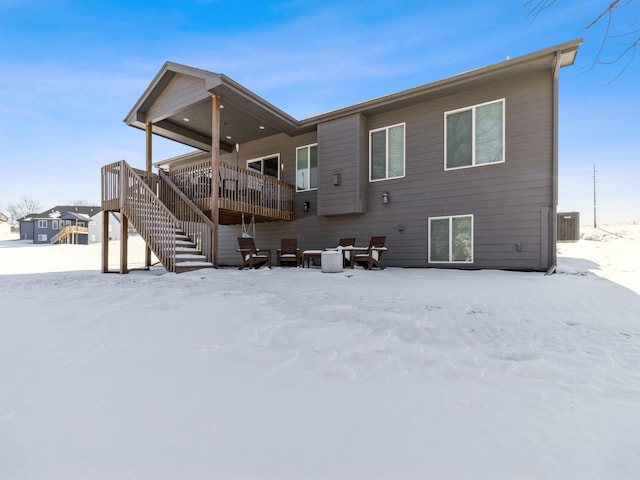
pixel 337 179
pixel 385 197
pixel 306 206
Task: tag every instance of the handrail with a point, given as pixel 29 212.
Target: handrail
pixel 68 230
pixel 240 190
pixel 123 188
pixel 193 221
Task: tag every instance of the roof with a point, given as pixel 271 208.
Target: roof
pixel 59 210
pixel 3 217
pixel 75 215
pixel 178 100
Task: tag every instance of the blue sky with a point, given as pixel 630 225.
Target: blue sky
pixel 72 69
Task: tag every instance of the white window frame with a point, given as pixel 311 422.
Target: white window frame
pixel 473 109
pixel 308 169
pixel 54 224
pixel 42 237
pixel 450 218
pixel 404 152
pixel 42 224
pixel 261 160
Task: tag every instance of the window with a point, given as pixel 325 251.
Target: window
pixel 266 165
pixel 451 239
pixel 54 224
pixel 42 237
pixel 67 222
pixel 474 136
pixel 307 167
pixel 386 153
pixel 82 224
pixel 42 224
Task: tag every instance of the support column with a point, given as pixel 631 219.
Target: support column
pixel 124 242
pixel 215 180
pixel 105 240
pixel 149 130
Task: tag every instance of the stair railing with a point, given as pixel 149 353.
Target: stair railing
pixel 68 230
pixel 123 188
pixel 192 220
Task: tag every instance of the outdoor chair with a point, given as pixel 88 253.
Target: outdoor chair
pixel 344 245
pixel 371 258
pixel 289 252
pixel 252 257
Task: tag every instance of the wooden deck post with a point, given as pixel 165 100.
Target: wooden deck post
pixel 215 174
pixel 124 242
pixel 149 131
pixel 105 241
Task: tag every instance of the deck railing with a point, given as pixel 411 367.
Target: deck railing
pixel 192 220
pixel 240 190
pixel 124 189
pixel 67 231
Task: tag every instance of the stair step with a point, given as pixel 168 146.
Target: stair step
pixel 196 257
pixel 187 249
pixel 182 267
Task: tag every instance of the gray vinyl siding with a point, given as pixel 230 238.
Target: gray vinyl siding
pixel 182 90
pixel 26 230
pixel 510 201
pixel 344 153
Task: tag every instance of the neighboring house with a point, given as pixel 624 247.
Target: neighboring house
pixel 462 172
pixel 45 226
pixel 96 225
pixel 5 226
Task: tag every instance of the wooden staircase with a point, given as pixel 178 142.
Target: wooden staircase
pixel 181 239
pixel 69 234
pixel 188 256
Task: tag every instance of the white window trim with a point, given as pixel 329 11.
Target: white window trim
pixel 308 147
pixel 42 237
pixel 42 224
pixel 54 224
pixel 473 242
pixel 264 157
pixel 404 152
pixel 473 134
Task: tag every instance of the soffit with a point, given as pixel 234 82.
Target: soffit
pixel 244 117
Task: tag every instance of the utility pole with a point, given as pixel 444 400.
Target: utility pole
pixel 594 196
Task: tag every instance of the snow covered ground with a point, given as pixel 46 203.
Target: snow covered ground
pixel 295 374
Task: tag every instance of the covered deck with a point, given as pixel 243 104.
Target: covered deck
pixel 240 191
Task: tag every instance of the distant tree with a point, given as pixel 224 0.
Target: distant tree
pixel 81 203
pixel 626 34
pixel 24 207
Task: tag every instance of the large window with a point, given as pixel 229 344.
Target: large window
pixel 42 224
pixel 474 136
pixel 386 153
pixel 266 165
pixel 451 239
pixel 307 167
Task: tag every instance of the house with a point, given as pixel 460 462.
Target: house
pixel 5 226
pixel 461 172
pixel 60 224
pixel 96 224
